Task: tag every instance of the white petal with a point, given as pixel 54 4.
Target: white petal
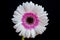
pixel 16 26
pixel 16 20
pixel 43 24
pixel 28 6
pixel 27 33
pixel 22 33
pixel 17 17
pixel 16 13
pixel 39 29
pixel 44 20
pixel 33 34
pixel 38 10
pixel 43 14
pixel 20 9
pixel 19 28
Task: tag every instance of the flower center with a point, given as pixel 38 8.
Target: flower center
pixel 29 20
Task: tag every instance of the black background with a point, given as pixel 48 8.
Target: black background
pixel 51 6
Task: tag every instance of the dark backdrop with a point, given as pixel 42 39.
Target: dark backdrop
pixel 51 6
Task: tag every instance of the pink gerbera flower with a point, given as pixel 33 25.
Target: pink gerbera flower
pixel 30 19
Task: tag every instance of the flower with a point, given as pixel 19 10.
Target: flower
pixel 30 19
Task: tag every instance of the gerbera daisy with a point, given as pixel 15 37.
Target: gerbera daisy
pixel 30 20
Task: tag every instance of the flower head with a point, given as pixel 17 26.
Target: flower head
pixel 30 19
